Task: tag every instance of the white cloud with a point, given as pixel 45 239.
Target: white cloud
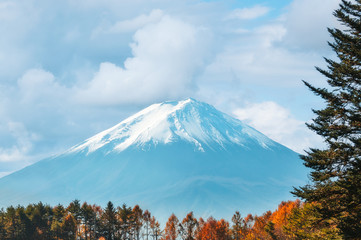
pixel 270 34
pixel 12 154
pixel 166 57
pixel 279 53
pixel 256 61
pixel 24 143
pixel 306 22
pixel 137 22
pixel 278 123
pixel 38 85
pixel 269 118
pixel 37 94
pixel 17 19
pixel 248 13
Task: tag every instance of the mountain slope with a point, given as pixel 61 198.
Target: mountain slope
pixel 170 157
pixel 197 123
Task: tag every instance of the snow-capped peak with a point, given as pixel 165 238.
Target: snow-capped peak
pixel 189 120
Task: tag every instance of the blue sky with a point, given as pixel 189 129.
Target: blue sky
pixel 69 69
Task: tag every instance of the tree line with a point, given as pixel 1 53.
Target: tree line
pixel 292 220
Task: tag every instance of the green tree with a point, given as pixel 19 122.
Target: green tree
pixel 75 209
pixel 97 226
pixel 125 221
pixel 110 221
pixel 336 170
pixel 306 223
pixel 41 216
pixel 26 229
pixel 59 215
pixel 270 229
pixel 87 216
pixel 11 225
pixel 2 224
pixel 56 228
pixel 69 228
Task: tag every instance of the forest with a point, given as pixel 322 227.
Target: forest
pixel 291 220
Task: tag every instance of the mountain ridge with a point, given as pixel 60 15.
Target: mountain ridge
pixel 180 156
pixel 156 129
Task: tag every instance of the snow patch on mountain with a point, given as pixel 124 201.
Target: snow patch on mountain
pixel 190 120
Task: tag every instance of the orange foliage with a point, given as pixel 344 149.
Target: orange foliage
pixel 188 227
pixel 248 223
pixel 279 217
pixel 222 230
pixel 255 227
pixel 199 232
pixel 171 228
pixel 258 229
pixel 213 229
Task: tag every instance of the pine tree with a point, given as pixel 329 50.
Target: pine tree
pixel 41 216
pixel 87 216
pixel 305 222
pixel 26 229
pixel 110 221
pixel 75 209
pixel 125 216
pixel 59 215
pixel 69 228
pixel 2 224
pixel 336 170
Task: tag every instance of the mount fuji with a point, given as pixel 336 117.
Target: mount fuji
pixel 176 157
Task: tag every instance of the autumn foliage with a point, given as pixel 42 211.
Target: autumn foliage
pixel 291 220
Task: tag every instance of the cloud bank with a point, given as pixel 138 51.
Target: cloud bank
pixel 278 123
pixel 73 68
pixel 167 56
